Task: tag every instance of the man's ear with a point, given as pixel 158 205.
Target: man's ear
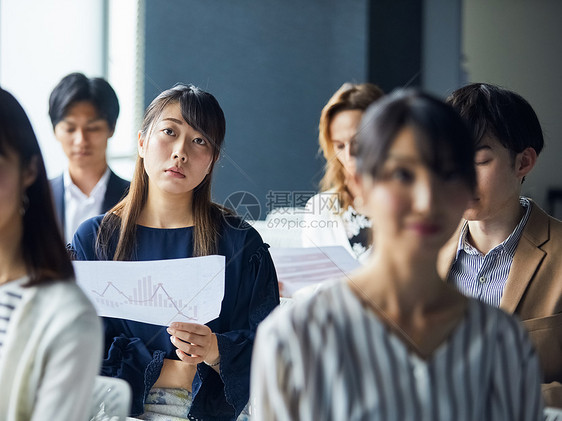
pixel 525 161
pixel 140 145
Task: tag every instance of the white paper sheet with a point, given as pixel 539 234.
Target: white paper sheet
pixel 157 291
pixel 301 267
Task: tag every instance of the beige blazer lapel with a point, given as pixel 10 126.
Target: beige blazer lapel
pixel 447 254
pixel 527 259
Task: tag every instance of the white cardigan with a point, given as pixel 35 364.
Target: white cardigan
pixel 51 355
pixel 323 224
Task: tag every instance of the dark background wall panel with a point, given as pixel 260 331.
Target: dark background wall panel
pixel 395 43
pixel 272 66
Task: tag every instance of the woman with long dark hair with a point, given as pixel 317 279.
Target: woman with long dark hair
pixel 50 335
pixel 187 370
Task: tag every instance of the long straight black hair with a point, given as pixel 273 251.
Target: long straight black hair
pixel 201 111
pixel 43 248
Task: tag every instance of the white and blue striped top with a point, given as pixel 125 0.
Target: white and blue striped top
pixel 484 277
pixel 330 358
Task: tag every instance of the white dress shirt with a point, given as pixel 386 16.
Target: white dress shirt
pixel 78 206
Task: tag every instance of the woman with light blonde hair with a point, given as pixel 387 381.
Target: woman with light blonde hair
pixel 331 218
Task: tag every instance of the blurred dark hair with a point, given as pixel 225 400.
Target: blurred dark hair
pixel 43 248
pixel 76 87
pixel 499 113
pixel 201 111
pixel 443 138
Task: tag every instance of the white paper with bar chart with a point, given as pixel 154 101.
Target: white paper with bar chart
pixel 301 267
pixel 157 291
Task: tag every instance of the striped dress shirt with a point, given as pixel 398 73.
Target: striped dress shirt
pixel 484 276
pixel 329 358
pixel 10 297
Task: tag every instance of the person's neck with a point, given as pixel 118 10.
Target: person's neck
pixel 399 287
pixel 486 234
pixel 409 297
pixel 351 186
pixel 12 264
pixel 167 211
pixel 86 178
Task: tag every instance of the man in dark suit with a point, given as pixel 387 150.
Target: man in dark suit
pixel 508 251
pixel 84 112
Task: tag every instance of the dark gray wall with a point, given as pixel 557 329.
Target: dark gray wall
pixel 442 52
pixel 272 65
pixel 395 43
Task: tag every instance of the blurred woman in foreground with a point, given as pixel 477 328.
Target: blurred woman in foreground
pixel 393 341
pixel 50 335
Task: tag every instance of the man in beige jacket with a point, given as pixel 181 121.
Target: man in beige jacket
pixel 508 251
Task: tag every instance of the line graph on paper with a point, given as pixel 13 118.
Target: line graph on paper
pixel 145 294
pixel 157 292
